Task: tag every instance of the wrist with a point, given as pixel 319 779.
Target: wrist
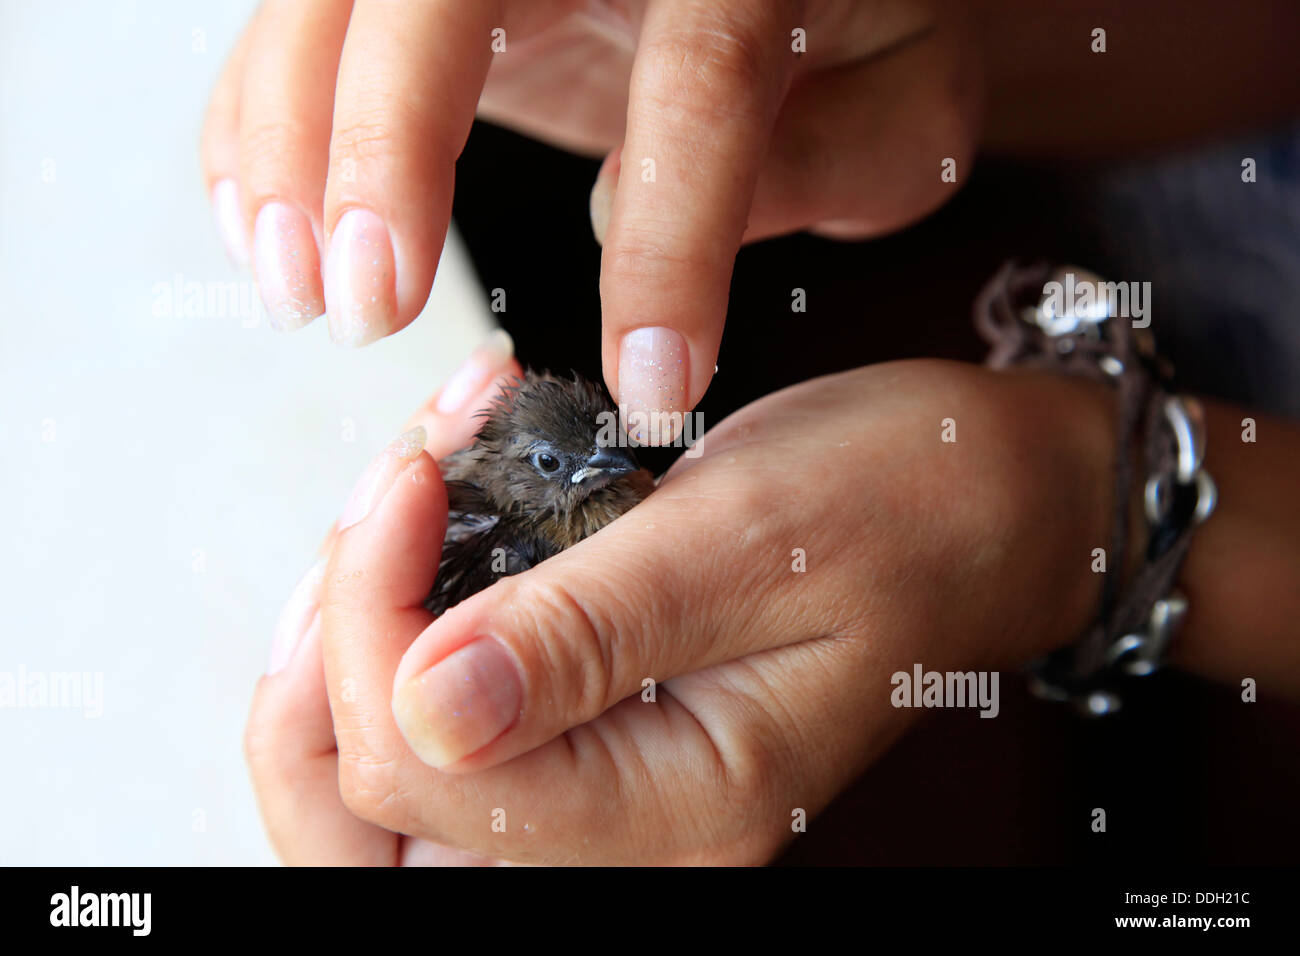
pixel 1063 432
pixel 1241 569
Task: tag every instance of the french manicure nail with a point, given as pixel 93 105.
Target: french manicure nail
pixel 288 266
pixel 461 704
pixel 652 384
pixel 301 612
pixel 360 280
pixel 230 220
pixel 476 371
pixel 380 474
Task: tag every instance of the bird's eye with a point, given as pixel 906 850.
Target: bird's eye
pixel 545 463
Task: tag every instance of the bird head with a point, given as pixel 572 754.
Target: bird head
pixel 550 444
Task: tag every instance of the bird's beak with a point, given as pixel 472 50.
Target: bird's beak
pixel 606 465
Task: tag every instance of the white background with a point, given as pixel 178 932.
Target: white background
pixel 165 478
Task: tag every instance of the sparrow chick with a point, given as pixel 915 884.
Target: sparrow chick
pixel 544 472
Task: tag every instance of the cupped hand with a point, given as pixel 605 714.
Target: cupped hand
pixel 289 740
pixel 333 132
pixel 683 685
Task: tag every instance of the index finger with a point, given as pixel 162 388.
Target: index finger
pixel 707 84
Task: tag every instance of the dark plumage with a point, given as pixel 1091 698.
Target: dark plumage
pixel 545 470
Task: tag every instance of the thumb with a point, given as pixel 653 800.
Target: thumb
pixel 372 598
pixel 651 596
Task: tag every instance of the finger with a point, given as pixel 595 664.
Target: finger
pixel 289 745
pixel 908 119
pixel 381 569
pixel 589 51
pixel 284 133
pixel 706 85
pixel 558 645
pixel 219 152
pixel 794 726
pixel 450 418
pixel 425 853
pixel 372 603
pixel 409 79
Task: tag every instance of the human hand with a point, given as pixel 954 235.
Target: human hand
pixel 336 124
pixel 523 705
pixel 289 739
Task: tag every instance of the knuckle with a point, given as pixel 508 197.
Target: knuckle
pixel 747 504
pixel 368 136
pixel 644 251
pixel 368 786
pixel 750 768
pixel 950 115
pixel 750 775
pixel 269 145
pixel 574 647
pixel 707 71
pixel 959 105
pixel 743 775
pixel 955 127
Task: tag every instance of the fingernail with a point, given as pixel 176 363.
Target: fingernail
pixel 360 279
pixel 288 266
pixel 301 612
pixel 602 197
pixel 461 704
pixel 600 204
pixel 230 220
pixel 476 371
pixel 652 384
pixel 380 474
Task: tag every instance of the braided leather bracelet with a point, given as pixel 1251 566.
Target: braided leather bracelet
pixel 1023 322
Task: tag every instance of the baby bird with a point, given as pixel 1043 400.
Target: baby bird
pixel 545 470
